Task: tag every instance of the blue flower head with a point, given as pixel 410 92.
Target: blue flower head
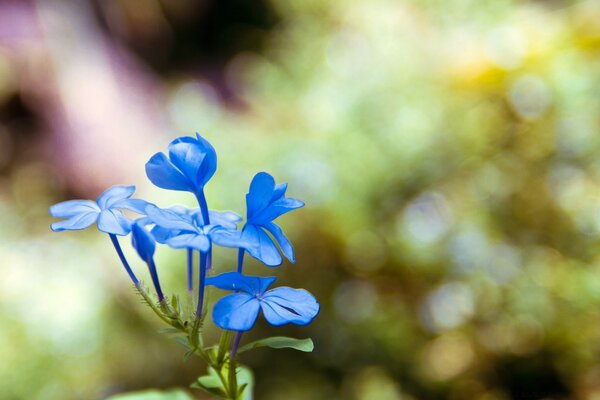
pixel 143 242
pixel 190 165
pixel 280 306
pixel 80 214
pixel 265 202
pixel 182 228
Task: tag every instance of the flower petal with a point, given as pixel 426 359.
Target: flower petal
pixel 71 208
pixel 113 221
pixel 286 305
pixel 261 246
pixel 259 194
pixel 195 157
pixel 165 175
pixel 279 191
pixel 114 194
pixel 169 219
pixel 228 238
pixel 276 209
pixel 189 241
pixel 76 222
pixel 237 281
pixel 136 205
pixel 143 242
pixel 284 243
pixel 236 312
pixel 226 219
pixel 161 235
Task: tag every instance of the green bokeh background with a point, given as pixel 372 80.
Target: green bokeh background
pixel 448 153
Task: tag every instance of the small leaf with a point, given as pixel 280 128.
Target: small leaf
pixel 153 395
pixel 168 331
pixel 188 354
pixel 245 383
pixel 241 389
pixel 210 383
pixel 182 341
pixel 214 391
pixel 281 342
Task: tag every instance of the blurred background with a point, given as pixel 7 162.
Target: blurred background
pixel 448 153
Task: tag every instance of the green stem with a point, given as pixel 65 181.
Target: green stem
pixel 223 346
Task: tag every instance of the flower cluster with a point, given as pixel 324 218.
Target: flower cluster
pixel 190 164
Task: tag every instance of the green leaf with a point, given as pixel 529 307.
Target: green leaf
pixel 214 391
pixel 210 383
pixel 168 331
pixel 182 341
pixel 245 383
pixel 281 342
pixel 153 395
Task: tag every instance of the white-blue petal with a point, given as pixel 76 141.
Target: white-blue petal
pixel 70 208
pixel 136 205
pixel 114 194
pixel 113 221
pixel 226 238
pixel 76 222
pixel 226 219
pixel 189 241
pixel 169 219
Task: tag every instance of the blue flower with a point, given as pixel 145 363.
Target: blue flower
pixel 224 219
pixel 280 306
pixel 80 214
pixel 145 245
pixel 143 242
pixel 190 165
pixel 266 201
pixel 181 228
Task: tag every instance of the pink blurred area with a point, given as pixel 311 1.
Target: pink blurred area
pixel 97 106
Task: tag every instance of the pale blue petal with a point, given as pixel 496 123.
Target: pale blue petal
pixel 286 305
pixel 76 222
pixel 144 221
pixel 236 312
pixel 261 246
pixel 284 243
pixel 70 208
pixel 259 195
pixel 255 285
pixel 114 194
pixel 169 219
pixel 136 205
pixel 189 241
pixel 228 238
pixel 165 175
pixel 113 221
pixel 226 219
pixel 143 242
